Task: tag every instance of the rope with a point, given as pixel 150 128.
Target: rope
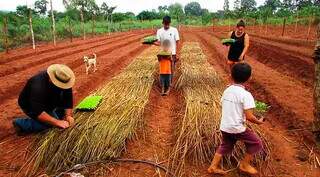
pixel 151 163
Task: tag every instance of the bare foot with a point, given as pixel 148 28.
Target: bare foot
pixel 248 169
pixel 216 170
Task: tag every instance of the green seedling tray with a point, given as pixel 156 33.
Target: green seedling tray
pixel 90 103
pixel 228 41
pixel 149 40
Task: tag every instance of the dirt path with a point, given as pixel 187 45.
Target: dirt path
pixel 286 157
pixel 154 142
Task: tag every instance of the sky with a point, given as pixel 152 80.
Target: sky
pixel 134 6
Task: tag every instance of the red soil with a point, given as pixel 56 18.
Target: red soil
pixel 290 98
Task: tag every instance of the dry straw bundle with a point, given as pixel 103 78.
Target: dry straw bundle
pixel 102 134
pixel 198 132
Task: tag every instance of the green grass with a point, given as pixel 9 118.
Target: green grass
pixel 89 103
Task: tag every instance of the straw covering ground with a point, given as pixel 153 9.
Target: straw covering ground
pixel 102 134
pixel 198 132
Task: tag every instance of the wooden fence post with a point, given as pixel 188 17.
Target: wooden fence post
pixel 53 25
pixel 212 24
pixel 284 26
pixel 31 29
pixel 5 33
pixel 70 30
pixel 296 26
pixel 93 26
pixel 266 30
pixel 309 28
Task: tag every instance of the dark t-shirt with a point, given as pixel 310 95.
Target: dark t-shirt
pixel 40 95
pixel 236 49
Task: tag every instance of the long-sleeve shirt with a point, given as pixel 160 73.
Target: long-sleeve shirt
pixel 40 95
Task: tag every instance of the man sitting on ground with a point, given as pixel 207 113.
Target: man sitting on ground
pixel 47 100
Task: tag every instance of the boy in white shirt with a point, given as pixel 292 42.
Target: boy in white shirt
pixel 237 107
pixel 170 33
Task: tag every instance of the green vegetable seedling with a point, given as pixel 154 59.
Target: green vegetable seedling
pixel 261 109
pixel 90 103
pixel 228 41
pixel 149 40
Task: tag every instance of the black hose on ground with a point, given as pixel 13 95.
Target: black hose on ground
pixel 80 166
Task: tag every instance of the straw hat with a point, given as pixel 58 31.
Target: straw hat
pixel 61 76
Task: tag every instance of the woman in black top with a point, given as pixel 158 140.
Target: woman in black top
pixel 238 50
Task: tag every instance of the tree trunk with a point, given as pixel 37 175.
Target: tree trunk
pixel 5 32
pixel 31 29
pixel 82 24
pixel 53 25
pixel 316 93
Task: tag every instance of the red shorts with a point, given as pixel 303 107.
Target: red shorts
pixel 249 138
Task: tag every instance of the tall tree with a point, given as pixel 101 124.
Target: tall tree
pixel 273 4
pixel 41 6
pixel 237 5
pixel 226 6
pixel 107 11
pixel 82 6
pixel 193 9
pixel 176 11
pixel 248 5
pixel 163 8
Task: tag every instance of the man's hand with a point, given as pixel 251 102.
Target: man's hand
pixel 70 119
pixel 62 124
pixel 157 43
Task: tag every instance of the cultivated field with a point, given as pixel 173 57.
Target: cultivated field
pixel 282 77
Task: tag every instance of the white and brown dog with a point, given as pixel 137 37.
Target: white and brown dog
pixel 90 62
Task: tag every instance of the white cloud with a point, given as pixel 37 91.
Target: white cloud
pixel 135 6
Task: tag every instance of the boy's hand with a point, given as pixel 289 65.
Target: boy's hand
pixel 261 120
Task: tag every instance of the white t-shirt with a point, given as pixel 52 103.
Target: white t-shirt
pixel 235 100
pixel 171 34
